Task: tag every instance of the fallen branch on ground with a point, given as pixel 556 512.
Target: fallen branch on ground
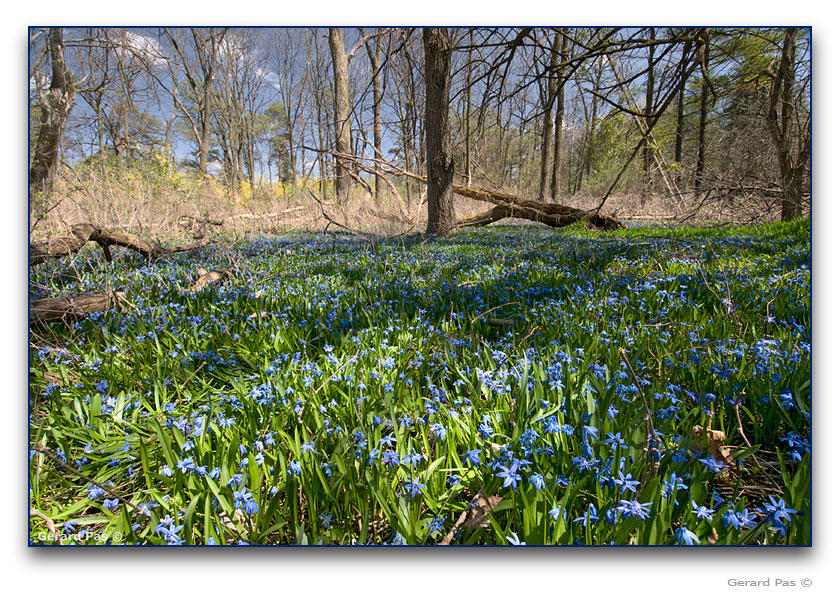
pixel 268 215
pixel 71 307
pixel 507 205
pixel 82 233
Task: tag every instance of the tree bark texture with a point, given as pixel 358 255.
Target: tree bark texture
pixel 56 104
pixel 42 311
pixel 342 114
pixel 440 166
pixel 507 205
pixel 791 158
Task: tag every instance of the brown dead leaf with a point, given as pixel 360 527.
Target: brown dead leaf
pixel 229 524
pixel 709 439
pixel 482 507
pixel 477 515
pixel 212 277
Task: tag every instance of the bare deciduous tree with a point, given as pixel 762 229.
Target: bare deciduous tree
pixel 793 150
pixel 341 114
pixel 437 46
pixel 55 105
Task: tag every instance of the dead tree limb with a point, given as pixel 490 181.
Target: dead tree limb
pixel 40 252
pixel 508 205
pixel 553 215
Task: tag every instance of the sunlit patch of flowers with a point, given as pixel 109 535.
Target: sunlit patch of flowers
pixel 337 391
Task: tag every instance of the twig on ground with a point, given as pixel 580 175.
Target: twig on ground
pixel 653 440
pixel 43 450
pixel 33 511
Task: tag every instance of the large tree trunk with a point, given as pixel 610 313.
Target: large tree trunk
pixel 497 213
pixel 791 158
pixel 342 114
pixel 55 105
pixel 439 163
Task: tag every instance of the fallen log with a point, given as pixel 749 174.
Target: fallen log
pixel 553 215
pixel 508 205
pixel 40 252
pixel 72 307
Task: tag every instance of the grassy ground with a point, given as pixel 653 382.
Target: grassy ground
pixel 341 391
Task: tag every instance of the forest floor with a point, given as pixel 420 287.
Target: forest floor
pixel 500 386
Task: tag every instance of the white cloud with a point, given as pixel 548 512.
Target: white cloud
pixel 143 47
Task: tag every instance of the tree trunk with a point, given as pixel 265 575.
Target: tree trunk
pixel 704 108
pixel 52 309
pixel 678 134
pixel 342 114
pixel 558 121
pixel 467 105
pixel 204 149
pixel 551 94
pixel 647 149
pixel 375 55
pixel 40 252
pixel 791 159
pixel 440 166
pixel 56 104
pixel 507 205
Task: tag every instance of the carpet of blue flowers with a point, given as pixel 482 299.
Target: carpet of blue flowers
pixel 509 385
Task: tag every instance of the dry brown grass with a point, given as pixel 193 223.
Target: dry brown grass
pixel 155 204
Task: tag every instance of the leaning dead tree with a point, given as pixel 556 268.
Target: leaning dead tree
pixel 40 252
